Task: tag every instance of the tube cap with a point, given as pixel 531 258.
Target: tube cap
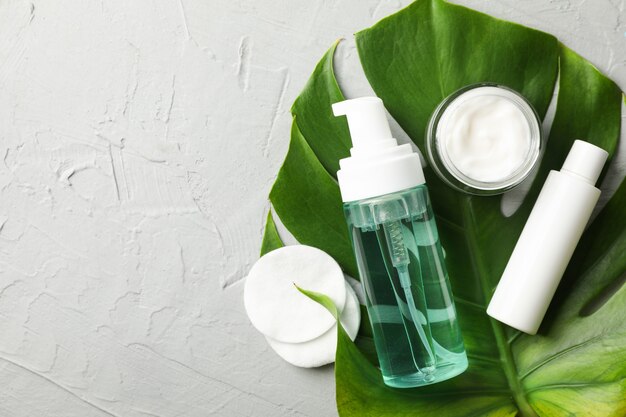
pixel 585 161
pixel 377 165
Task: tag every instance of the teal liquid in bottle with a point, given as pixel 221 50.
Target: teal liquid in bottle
pixel 399 257
pixel 408 296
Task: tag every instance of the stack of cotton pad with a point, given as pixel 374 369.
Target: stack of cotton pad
pixel 300 330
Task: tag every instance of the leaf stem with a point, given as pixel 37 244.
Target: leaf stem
pixel 510 371
pixel 504 348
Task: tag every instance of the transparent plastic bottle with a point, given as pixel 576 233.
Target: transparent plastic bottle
pixel 400 260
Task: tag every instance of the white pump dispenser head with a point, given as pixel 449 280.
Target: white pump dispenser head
pixel 378 165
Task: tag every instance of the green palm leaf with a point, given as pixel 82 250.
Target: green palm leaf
pixel 413 59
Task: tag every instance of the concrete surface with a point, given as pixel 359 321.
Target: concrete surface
pixel 139 140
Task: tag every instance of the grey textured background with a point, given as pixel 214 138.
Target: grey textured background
pixel 138 143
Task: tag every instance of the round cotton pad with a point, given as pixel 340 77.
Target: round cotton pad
pixel 358 289
pixel 276 307
pixel 321 351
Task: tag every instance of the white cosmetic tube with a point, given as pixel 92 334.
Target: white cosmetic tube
pixel 548 240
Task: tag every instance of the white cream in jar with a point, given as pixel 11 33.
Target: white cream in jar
pixel 484 139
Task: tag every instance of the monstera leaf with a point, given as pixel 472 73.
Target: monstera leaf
pixel 576 365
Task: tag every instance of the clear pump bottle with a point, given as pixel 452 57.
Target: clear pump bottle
pixel 400 260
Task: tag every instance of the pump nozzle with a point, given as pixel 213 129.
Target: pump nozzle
pixel 377 165
pixel 367 122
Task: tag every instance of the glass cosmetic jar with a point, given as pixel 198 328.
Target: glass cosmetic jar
pixel 484 139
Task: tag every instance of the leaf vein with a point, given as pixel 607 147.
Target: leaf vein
pixel 573 385
pixel 559 355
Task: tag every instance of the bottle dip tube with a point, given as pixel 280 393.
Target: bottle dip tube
pixel 399 257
